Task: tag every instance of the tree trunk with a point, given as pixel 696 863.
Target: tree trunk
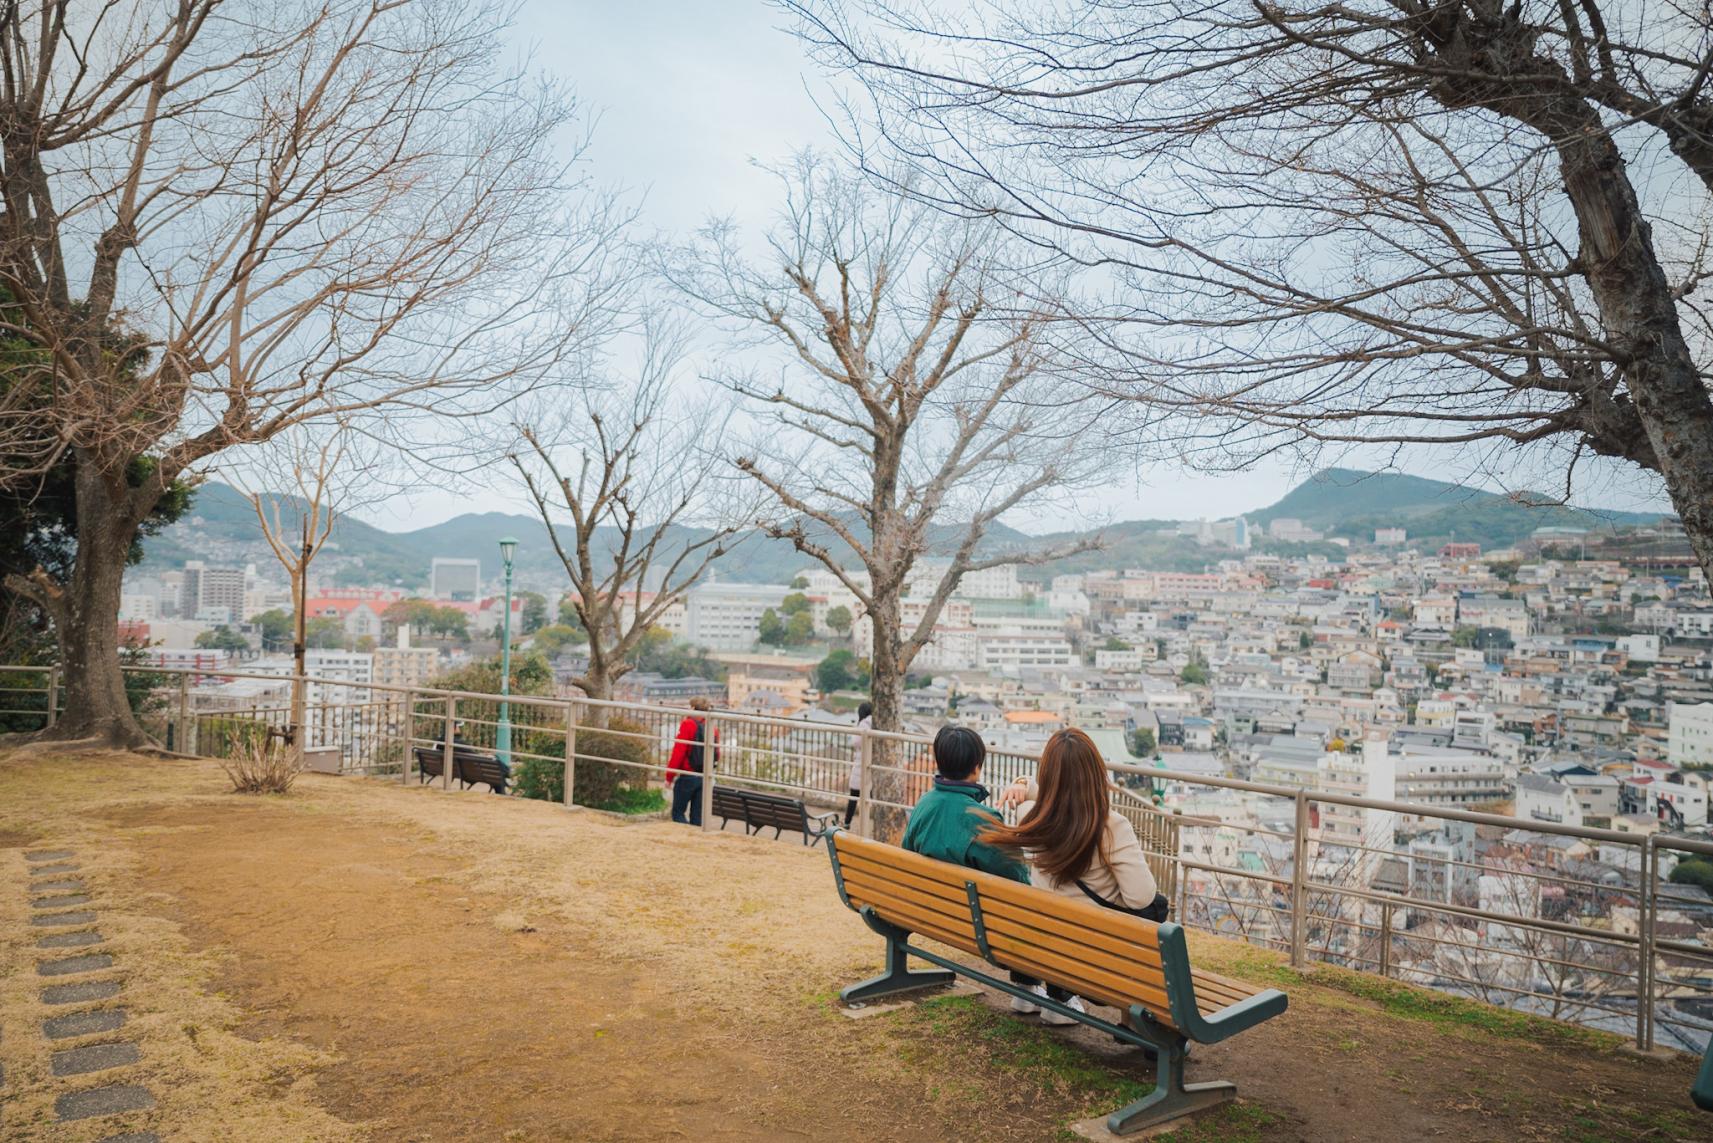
pixel 300 660
pixel 886 692
pixel 86 619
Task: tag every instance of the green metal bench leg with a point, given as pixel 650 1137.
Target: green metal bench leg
pixel 1171 1098
pixel 897 977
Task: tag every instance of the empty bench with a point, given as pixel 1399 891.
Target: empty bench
pixel 469 767
pixel 1136 966
pixel 758 811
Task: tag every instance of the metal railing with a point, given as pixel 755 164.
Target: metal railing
pixel 1518 913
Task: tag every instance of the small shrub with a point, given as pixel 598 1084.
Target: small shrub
pixel 598 783
pixel 259 764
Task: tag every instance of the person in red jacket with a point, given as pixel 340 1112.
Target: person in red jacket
pixel 684 768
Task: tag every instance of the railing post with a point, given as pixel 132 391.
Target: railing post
pixel 1385 938
pixel 53 695
pixel 865 782
pixel 446 744
pixel 1299 879
pixel 409 737
pixel 1645 945
pixel 570 751
pixel 710 747
pixel 185 743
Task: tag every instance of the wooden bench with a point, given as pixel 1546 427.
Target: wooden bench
pixel 1140 968
pixel 760 811
pixel 469 767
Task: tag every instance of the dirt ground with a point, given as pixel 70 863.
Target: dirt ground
pixel 363 961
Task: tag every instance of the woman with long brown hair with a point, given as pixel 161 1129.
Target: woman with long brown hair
pixel 1074 841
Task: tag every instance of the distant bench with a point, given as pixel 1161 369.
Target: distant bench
pixel 469 767
pixel 758 811
pixel 1102 955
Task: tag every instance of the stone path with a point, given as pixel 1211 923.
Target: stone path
pixel 62 904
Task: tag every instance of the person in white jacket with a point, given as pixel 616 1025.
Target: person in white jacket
pixel 1075 843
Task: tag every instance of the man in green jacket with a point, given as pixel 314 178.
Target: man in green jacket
pixel 946 821
pixel 946 825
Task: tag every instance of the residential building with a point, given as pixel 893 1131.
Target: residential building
pixel 1691 734
pixel 455 577
pixel 727 616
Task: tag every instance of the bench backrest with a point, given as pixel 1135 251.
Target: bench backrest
pixel 474 767
pixel 1102 954
pixel 758 809
pixel 430 760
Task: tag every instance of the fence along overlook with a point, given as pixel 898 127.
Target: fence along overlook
pixel 1309 904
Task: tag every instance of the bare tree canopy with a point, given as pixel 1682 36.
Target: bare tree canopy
pixel 627 479
pixel 920 403
pixel 1380 221
pixel 225 219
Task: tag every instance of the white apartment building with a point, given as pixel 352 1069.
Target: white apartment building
pixel 727 616
pixel 1449 777
pixel 988 583
pixel 217 592
pixel 1437 612
pixel 1690 737
pixel 138 606
pixel 1540 799
pixel 1011 650
pixel 1511 615
pixel 451 577
pixel 1130 659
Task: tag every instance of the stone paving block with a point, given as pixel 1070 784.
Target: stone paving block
pixel 88 963
pixel 48 855
pixel 132 1137
pixel 109 1100
pixel 94 1058
pixel 79 918
pixel 81 992
pixel 57 867
pixel 83 1023
pixel 59 885
pixel 69 901
pixel 70 940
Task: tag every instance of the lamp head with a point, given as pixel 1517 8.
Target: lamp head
pixel 508 548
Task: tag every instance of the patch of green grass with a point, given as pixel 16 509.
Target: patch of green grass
pixel 1235 1122
pixel 1411 1002
pixel 631 801
pixel 1030 1054
pixel 1607 1123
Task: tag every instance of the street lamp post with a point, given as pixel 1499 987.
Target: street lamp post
pixel 503 735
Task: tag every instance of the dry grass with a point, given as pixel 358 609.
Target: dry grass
pixel 312 967
pixel 262 764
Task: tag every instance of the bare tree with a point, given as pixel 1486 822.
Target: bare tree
pixel 312 478
pixel 920 406
pixel 1468 223
pixel 225 219
pixel 627 461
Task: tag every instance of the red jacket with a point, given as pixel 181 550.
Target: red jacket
pixel 683 740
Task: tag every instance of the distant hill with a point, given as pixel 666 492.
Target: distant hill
pixel 221 528
pixel 1348 502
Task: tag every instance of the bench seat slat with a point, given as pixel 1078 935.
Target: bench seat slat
pixel 1081 914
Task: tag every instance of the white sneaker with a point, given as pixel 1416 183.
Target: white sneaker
pixel 1059 1019
pixel 1025 1008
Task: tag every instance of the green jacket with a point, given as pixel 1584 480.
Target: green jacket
pixel 944 826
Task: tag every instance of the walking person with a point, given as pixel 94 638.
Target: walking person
pixel 1076 844
pixel 685 767
pixel 865 721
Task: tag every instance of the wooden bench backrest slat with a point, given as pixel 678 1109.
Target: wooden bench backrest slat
pixel 1064 965
pixel 1028 925
pixel 1062 910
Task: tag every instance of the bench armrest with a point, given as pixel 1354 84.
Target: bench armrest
pixel 1181 993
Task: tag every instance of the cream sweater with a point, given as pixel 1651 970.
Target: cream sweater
pixel 1124 879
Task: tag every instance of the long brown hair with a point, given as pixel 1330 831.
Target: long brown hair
pixel 1065 830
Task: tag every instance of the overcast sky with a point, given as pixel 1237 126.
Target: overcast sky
pixel 690 94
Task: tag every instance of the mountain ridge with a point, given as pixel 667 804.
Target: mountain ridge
pixel 221 528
